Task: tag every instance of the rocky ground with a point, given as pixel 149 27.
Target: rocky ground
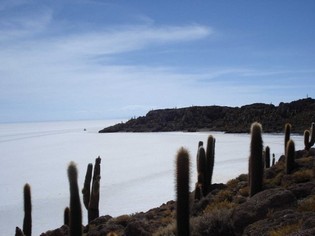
pixel 286 206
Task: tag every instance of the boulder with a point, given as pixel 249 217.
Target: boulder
pixel 257 207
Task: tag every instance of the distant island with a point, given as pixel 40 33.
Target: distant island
pixel 300 114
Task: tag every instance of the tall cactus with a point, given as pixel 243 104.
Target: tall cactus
pixel 309 137
pixel 287 133
pixel 182 193
pixel 75 205
pixel 27 222
pixel 290 156
pixel 210 161
pixel 256 168
pixel 202 169
pixel 91 195
pixel 93 211
pixel 87 186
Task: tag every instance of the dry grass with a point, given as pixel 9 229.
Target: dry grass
pixel 302 176
pixel 307 204
pixel 244 191
pixel 223 195
pixel 217 206
pixel 169 230
pixel 285 230
pixel 232 183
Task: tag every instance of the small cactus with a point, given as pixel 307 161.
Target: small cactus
pixel 182 193
pixel 273 159
pixel 66 216
pixel 309 137
pixel 27 222
pixel 200 143
pixel 290 156
pixel 256 168
pixel 287 133
pixel 267 157
pixel 75 205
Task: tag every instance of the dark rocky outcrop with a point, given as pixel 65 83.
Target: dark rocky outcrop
pixel 299 113
pixel 259 205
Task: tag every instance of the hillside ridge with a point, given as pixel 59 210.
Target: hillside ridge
pixel 299 113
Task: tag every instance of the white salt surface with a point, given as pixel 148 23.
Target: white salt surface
pixel 137 169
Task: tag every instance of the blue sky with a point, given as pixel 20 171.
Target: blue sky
pixel 93 59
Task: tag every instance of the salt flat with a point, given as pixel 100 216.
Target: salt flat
pixel 136 169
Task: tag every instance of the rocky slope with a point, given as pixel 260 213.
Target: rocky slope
pixel 286 206
pixel 300 114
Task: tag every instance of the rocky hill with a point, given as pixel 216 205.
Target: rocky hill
pixel 300 114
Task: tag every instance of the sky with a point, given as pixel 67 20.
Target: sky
pixel 93 59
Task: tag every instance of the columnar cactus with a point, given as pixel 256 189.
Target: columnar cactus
pixel 290 156
pixel 287 133
pixel 27 222
pixel 87 186
pixel 267 157
pixel 75 205
pixel 210 161
pixel 256 168
pixel 309 137
pixel 91 195
pixel 182 193
pixel 202 169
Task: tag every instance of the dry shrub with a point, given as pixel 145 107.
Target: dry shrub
pixel 307 204
pixel 285 230
pixel 217 206
pixel 232 183
pixel 217 222
pixel 169 230
pixel 302 176
pixel 276 181
pixel 244 191
pixel 223 195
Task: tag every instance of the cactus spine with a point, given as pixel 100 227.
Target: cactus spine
pixel 309 137
pixel 27 222
pixel 210 161
pixel 287 133
pixel 256 167
pixel 289 158
pixel 182 193
pixel 267 157
pixel 75 205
